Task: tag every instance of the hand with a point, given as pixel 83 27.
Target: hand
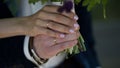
pixel 49 21
pixel 46 47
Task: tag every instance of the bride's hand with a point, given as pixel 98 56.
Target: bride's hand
pixel 47 47
pixel 49 21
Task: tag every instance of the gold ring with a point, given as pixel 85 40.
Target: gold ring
pixel 47 24
pixel 55 41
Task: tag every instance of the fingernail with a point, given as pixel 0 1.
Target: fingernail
pixel 76 17
pixel 62 35
pixel 76 25
pixel 71 31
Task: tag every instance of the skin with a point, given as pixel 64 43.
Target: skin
pixel 45 46
pixel 46 26
pixel 46 21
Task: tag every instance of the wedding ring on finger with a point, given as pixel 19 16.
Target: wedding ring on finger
pixel 47 25
pixel 55 41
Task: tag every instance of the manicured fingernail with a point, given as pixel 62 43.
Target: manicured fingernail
pixel 76 25
pixel 76 17
pixel 62 35
pixel 71 31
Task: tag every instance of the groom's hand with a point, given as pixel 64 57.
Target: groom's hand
pixel 46 47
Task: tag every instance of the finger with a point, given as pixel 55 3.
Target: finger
pixel 59 27
pixel 40 30
pixel 62 46
pixel 58 18
pixel 54 9
pixel 54 26
pixel 68 37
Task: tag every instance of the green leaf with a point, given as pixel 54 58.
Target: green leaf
pixel 76 49
pixel 33 1
pixel 104 3
pixel 55 0
pixel 98 1
pixel 44 1
pixel 85 2
pixel 70 50
pixel 77 1
pixel 92 3
pixel 81 44
pixel 104 12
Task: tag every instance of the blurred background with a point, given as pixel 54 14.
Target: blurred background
pixel 107 34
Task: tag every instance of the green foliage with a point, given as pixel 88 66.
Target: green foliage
pixel 92 3
pixel 89 3
pixel 76 49
pixel 12 5
pixel 33 1
pixel 104 3
pixel 77 1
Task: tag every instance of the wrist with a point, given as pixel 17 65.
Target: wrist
pixel 25 25
pixel 37 58
pixel 11 27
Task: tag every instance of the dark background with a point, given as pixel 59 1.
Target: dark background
pixel 107 34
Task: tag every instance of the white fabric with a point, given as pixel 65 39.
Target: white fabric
pixel 27 9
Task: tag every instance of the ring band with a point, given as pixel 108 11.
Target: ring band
pixel 47 24
pixel 55 41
